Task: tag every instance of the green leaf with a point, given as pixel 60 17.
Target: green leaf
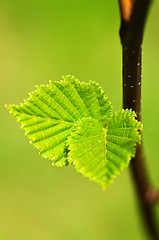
pixel 72 123
pixel 101 153
pixel 52 111
pixel 87 147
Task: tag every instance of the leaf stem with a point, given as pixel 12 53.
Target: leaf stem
pixel 131 34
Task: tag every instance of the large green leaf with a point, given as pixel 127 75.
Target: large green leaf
pixel 52 111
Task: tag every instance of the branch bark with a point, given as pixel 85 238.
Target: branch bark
pixel 133 19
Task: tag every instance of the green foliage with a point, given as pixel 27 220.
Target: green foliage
pixel 72 123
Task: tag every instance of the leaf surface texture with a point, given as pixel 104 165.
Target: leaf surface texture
pixel 72 123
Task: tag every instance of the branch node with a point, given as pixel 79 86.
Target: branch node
pixel 152 195
pixel 126 7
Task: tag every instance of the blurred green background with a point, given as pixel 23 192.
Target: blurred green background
pixel 42 40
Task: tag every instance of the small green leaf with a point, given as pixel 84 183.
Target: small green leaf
pixel 101 153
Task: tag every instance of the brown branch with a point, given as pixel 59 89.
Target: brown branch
pixel 135 30
pixel 131 34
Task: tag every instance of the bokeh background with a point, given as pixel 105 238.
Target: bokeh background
pixel 42 40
